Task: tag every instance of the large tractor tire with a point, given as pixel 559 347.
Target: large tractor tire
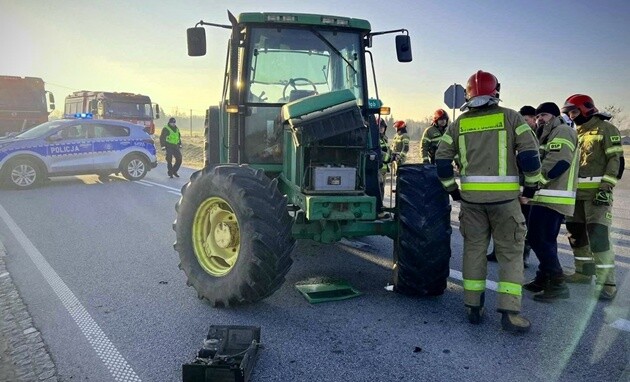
pixel 233 234
pixel 422 248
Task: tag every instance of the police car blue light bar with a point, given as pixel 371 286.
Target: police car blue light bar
pixel 79 116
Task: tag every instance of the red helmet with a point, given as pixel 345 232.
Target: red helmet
pixel 582 102
pixel 400 125
pixel 439 114
pixel 482 83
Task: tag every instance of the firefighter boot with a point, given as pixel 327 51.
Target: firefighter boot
pixel 555 289
pixel 515 323
pixel 584 266
pixel 583 277
pixel 606 292
pixel 537 284
pixel 474 313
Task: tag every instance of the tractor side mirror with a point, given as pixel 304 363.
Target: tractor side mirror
pixel 51 101
pixel 196 41
pixel 403 48
pixel 157 111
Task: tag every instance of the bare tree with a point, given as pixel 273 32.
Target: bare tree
pixel 618 117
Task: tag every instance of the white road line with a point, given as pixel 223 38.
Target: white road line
pixel 621 324
pixel 142 183
pixel 160 185
pixel 175 192
pixel 4 274
pixel 106 351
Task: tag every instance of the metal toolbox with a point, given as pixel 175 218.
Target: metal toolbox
pixel 334 178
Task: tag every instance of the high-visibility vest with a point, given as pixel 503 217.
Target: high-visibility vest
pixel 173 136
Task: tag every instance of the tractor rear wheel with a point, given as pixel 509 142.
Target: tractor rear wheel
pixel 233 234
pixel 422 248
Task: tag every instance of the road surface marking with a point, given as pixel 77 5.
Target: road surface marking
pixel 159 185
pixel 175 193
pixel 144 184
pixel 621 324
pixel 106 351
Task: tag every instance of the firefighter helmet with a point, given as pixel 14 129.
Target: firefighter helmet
pixel 400 125
pixel 482 84
pixel 439 114
pixel 582 102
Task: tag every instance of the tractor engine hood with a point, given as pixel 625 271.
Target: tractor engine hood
pixel 318 117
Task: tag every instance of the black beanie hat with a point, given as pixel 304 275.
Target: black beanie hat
pixel 548 107
pixel 527 110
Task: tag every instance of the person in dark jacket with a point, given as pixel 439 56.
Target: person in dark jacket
pixel 171 142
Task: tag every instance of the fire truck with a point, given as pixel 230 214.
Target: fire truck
pixel 24 103
pixel 134 108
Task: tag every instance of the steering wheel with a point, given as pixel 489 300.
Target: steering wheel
pixel 294 85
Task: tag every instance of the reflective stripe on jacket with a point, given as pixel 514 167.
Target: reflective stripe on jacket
pixel 487 141
pixel 558 143
pixel 386 154
pixel 400 145
pixel 600 152
pixel 430 139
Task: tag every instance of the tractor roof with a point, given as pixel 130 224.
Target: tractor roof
pixel 304 19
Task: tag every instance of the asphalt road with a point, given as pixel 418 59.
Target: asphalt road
pixel 95 266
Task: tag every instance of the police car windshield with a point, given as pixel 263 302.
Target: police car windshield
pixel 39 130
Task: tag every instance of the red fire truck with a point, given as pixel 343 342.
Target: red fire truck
pixel 24 103
pixel 134 108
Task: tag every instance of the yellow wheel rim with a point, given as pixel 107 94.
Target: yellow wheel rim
pixel 216 236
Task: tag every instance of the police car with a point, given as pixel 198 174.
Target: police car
pixel 74 147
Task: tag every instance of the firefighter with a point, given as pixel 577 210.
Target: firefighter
pixel 529 115
pixel 386 158
pixel 556 198
pixel 487 138
pixel 400 145
pixel 386 153
pixel 171 142
pixel 432 136
pixel 600 167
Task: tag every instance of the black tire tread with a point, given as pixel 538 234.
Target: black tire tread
pixel 423 248
pixel 265 229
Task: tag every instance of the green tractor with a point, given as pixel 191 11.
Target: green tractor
pixel 292 152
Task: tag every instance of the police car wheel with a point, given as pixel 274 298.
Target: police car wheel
pixel 24 174
pixel 134 167
pixel 233 234
pixel 422 248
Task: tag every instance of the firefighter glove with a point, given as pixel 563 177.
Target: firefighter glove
pixel 603 198
pixel 456 195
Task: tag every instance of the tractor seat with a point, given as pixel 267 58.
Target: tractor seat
pixel 297 94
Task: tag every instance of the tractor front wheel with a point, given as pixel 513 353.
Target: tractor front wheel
pixel 233 234
pixel 422 248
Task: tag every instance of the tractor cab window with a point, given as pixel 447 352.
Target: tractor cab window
pixel 286 64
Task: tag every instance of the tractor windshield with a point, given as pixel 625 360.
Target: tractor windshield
pixel 287 64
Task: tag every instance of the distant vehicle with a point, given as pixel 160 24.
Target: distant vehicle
pixel 134 108
pixel 74 147
pixel 24 103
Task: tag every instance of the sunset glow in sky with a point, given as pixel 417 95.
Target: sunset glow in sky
pixel 540 50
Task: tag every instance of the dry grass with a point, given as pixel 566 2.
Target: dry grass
pixel 192 151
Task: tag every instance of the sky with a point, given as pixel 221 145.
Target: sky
pixel 540 50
